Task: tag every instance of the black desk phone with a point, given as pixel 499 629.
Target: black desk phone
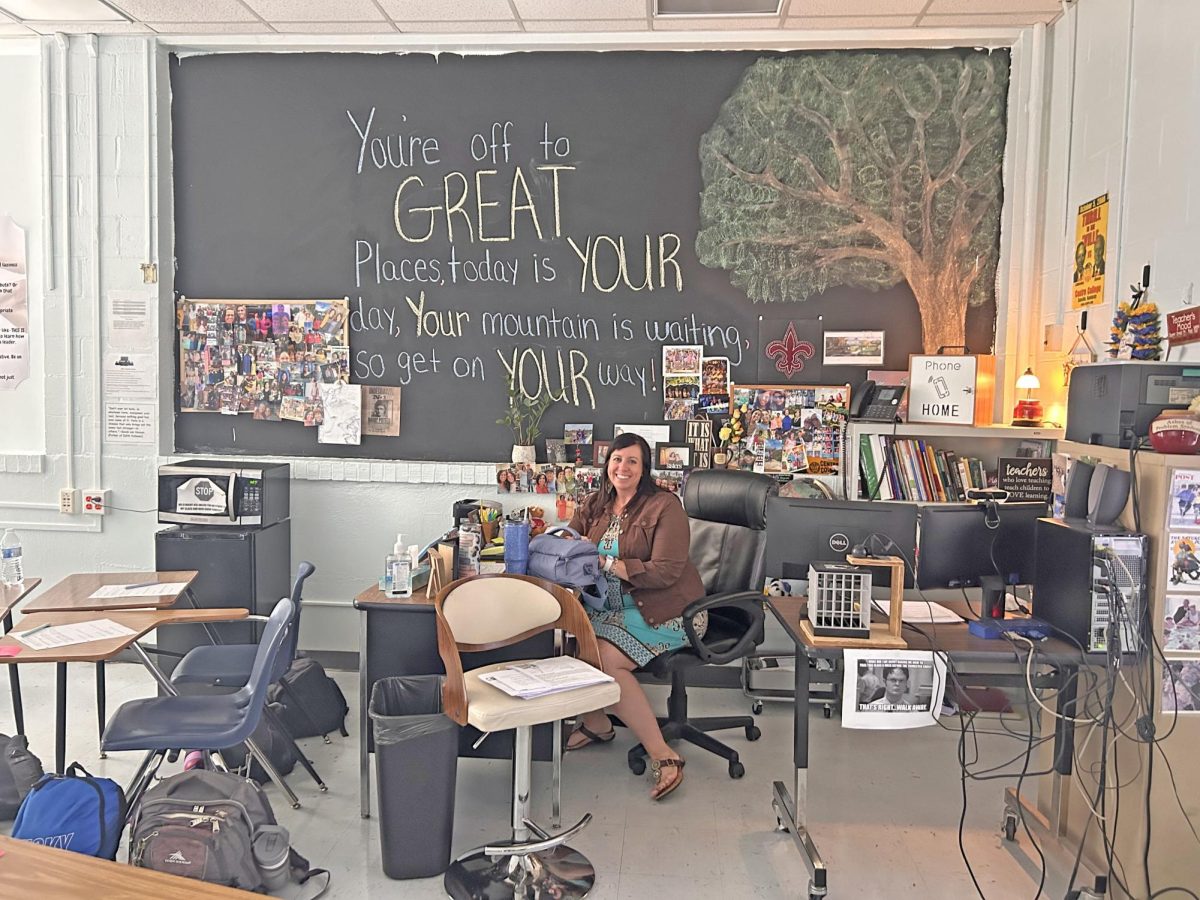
pixel 876 402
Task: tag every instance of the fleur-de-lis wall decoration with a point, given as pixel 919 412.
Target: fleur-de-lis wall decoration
pixel 789 354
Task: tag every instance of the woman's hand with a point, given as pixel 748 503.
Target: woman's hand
pixel 618 570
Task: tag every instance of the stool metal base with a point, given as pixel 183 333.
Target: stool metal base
pixel 557 872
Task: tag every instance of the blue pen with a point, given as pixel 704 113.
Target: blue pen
pixel 36 629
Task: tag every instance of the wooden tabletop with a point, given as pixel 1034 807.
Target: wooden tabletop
pixel 75 592
pixel 31 870
pixel 953 638
pixel 141 621
pixel 11 595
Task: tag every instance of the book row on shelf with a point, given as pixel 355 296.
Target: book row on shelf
pixel 894 468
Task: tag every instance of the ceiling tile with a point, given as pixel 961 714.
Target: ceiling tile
pixel 89 27
pixel 448 10
pixel 7 30
pixel 316 11
pixel 982 21
pixel 457 27
pixel 589 26
pixel 717 23
pixel 990 7
pixel 384 27
pixel 62 11
pixel 871 8
pixel 193 28
pixel 849 22
pixel 187 10
pixel 572 9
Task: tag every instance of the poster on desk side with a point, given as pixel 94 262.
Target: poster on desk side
pixel 891 689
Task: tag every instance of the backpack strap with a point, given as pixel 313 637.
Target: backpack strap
pixel 302 872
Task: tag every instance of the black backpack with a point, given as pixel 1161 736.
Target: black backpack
pixel 273 742
pixel 312 703
pixel 19 771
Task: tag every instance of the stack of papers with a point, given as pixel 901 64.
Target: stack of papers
pixel 76 633
pixel 527 680
pixel 157 589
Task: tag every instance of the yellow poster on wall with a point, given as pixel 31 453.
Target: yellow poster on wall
pixel 1091 245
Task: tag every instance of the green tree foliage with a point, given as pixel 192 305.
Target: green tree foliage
pixel 861 169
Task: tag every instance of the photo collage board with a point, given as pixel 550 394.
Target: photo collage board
pixel 265 358
pixel 789 428
pixel 1181 605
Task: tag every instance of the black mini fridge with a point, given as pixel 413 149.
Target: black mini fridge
pixel 239 567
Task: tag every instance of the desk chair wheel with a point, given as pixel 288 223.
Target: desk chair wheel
pixel 736 769
pixel 1010 827
pixel 756 708
pixel 827 710
pixel 752 733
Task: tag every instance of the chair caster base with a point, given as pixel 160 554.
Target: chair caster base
pixel 323 788
pixel 558 872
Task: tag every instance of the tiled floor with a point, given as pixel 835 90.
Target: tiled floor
pixel 884 809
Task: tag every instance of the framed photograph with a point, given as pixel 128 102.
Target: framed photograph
pixel 669 479
pixel 651 434
pixel 1181 686
pixel 577 433
pixel 673 456
pixel 556 451
pixel 682 359
pixel 600 453
pixel 1181 624
pixel 853 348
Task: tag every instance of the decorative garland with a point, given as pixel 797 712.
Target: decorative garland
pixel 1135 326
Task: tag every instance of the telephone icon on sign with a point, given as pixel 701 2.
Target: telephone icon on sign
pixel 940 385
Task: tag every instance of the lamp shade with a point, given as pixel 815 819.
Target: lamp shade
pixel 1028 381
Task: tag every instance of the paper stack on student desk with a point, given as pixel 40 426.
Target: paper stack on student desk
pixel 527 680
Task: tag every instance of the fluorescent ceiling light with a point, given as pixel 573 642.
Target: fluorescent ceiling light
pixel 717 7
pixel 61 11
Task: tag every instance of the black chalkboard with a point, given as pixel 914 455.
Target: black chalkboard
pixel 277 196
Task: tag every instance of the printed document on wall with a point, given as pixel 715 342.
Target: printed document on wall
pixel 14 305
pixel 892 688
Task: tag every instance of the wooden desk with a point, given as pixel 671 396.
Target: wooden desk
pixel 962 648
pixel 141 621
pixel 31 870
pixel 75 592
pixel 10 596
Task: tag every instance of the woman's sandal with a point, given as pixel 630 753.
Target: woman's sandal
pixel 656 775
pixel 591 737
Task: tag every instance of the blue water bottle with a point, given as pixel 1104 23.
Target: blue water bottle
pixel 516 547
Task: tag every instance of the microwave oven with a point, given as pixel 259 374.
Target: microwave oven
pixel 206 492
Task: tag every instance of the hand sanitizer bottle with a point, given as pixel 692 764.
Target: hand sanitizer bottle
pixel 400 569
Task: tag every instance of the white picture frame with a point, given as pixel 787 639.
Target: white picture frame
pixel 853 348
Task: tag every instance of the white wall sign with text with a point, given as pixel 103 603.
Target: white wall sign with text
pixel 14 305
pixel 941 389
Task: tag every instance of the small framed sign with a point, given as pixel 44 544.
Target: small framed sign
pixel 941 389
pixel 1026 478
pixel 1183 326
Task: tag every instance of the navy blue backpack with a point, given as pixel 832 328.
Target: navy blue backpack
pixel 73 811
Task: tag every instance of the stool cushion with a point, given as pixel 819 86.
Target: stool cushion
pixel 490 709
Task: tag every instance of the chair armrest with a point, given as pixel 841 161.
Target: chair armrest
pixel 748 601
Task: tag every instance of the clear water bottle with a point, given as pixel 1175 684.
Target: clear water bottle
pixel 11 571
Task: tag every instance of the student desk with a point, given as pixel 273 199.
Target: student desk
pixel 10 596
pixel 31 870
pixel 965 650
pixel 397 636
pixel 140 621
pixel 74 593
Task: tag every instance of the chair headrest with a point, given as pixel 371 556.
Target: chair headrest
pixel 729 496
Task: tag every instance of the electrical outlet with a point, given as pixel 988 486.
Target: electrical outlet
pixel 95 502
pixel 68 501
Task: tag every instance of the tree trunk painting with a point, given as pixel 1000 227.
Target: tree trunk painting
pixel 861 169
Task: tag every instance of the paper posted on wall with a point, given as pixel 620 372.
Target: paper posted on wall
pixel 887 689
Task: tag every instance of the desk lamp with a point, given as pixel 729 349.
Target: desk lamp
pixel 1028 411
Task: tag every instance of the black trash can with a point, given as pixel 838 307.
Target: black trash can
pixel 416 766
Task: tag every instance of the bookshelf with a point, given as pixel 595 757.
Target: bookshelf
pixel 984 442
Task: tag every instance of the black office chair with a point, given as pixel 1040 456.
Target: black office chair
pixel 727 513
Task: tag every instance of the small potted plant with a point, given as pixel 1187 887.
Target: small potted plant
pixel 523 417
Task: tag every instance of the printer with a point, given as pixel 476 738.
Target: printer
pixel 1108 403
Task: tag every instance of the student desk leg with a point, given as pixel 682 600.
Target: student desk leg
pixel 14 682
pixel 791 809
pixel 60 717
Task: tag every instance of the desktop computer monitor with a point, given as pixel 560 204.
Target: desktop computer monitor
pixel 802 530
pixel 988 545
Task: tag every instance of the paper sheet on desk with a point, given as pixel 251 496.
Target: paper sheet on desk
pixel 918 611
pixel 75 633
pixel 109 591
pixel 548 676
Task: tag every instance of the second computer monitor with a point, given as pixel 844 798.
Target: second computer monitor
pixel 802 531
pixel 958 546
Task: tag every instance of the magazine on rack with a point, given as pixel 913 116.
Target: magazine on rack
pixel 537 678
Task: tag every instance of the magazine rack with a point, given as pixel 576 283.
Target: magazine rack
pixel 884 635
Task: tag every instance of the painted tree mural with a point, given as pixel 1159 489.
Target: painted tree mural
pixel 861 169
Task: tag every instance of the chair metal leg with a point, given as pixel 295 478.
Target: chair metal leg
pixel 142 778
pixel 541 867
pixel 271 773
pixel 60 717
pixel 14 683
pixel 300 757
pixel 100 703
pixel 556 776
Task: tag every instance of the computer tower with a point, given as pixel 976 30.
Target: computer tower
pixel 239 567
pixel 1086 578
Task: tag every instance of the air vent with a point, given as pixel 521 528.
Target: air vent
pixel 717 7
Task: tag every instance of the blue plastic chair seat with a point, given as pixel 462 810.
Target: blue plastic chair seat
pixel 168 723
pixel 222 665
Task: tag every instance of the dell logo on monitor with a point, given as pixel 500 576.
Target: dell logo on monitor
pixel 838 542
